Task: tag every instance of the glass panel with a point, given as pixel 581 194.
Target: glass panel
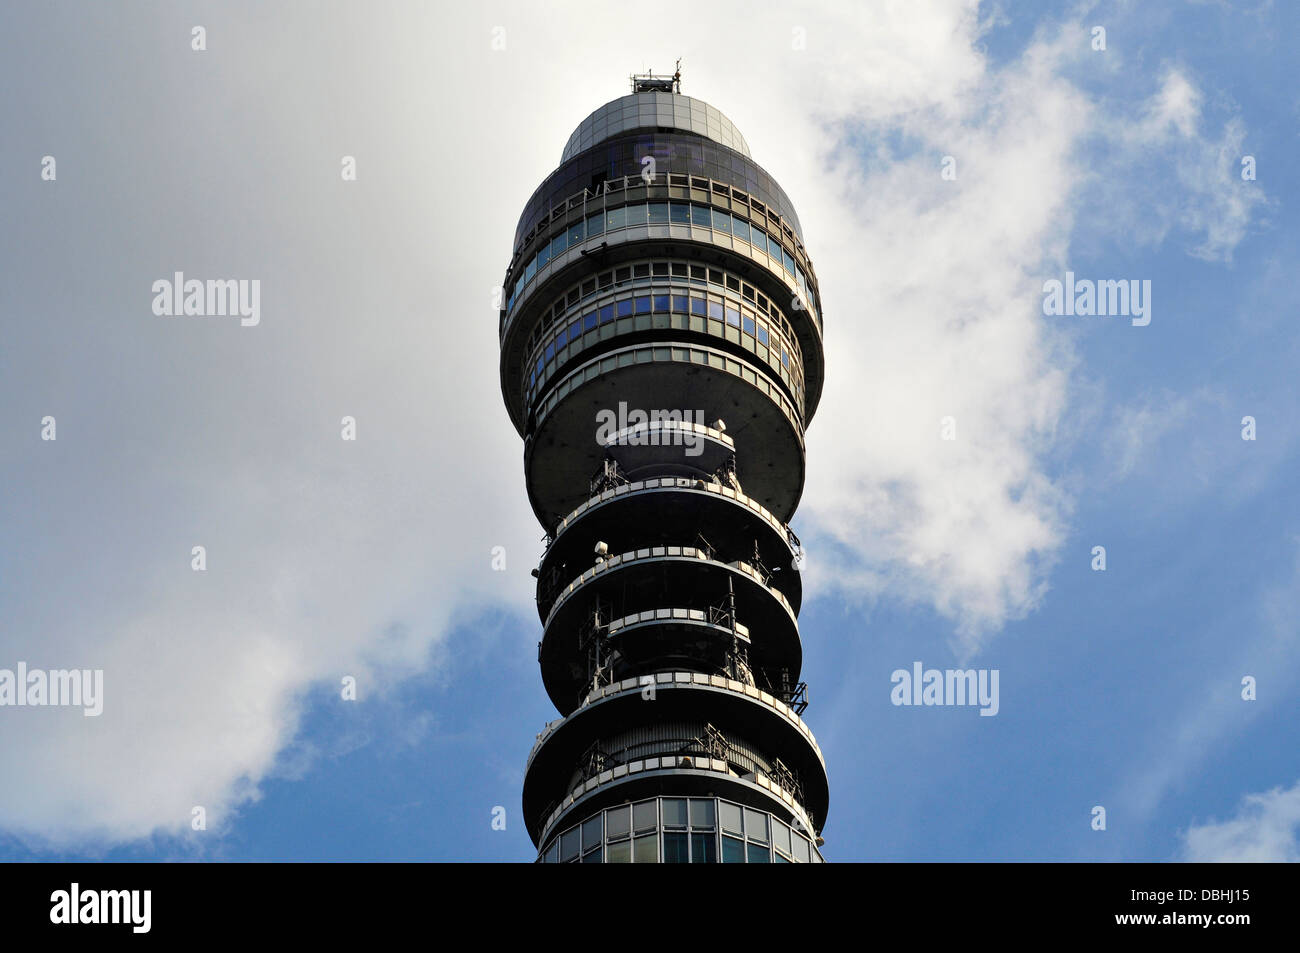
pixel 607 314
pixel 658 213
pixel 721 220
pixel 530 270
pixel 645 817
pixel 758 239
pixel 674 812
pixel 698 306
pixel 700 215
pixel 620 853
pixel 645 850
pixel 624 308
pixel 552 853
pixel 543 255
pixel 733 851
pixel 778 859
pixel 589 321
pixel 575 233
pixel 642 305
pixel 759 854
pixel 780 836
pixel 756 825
pixel 617 821
pixel 559 243
pixel 615 219
pixel 562 338
pixel 661 302
pixel 730 816
pixel 762 334
pixel 635 214
pixel 704 848
pixel 595 224
pixel 680 213
pixel 748 324
pixel 800 848
pixel 740 229
pixel 568 845
pixel 593 857
pixel 675 847
pixel 788 260
pixel 733 317
pixel 715 309
pixel 591 832
pixel 679 303
pixel 702 812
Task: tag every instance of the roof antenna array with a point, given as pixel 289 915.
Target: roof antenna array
pixel 648 82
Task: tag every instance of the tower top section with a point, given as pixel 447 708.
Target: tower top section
pixel 652 108
pixel 652 83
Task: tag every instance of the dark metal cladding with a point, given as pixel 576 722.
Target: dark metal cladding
pixel 661 355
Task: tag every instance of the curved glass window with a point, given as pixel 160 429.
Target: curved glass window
pixel 638 301
pixel 697 830
pixel 641 213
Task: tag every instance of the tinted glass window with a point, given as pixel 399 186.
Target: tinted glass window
pixel 635 214
pixel 617 821
pixel 721 220
pixel 675 848
pixel 591 832
pixel 702 812
pixel 595 224
pixel 658 213
pixel 733 851
pixel 700 215
pixel 674 812
pixel 704 848
pixel 645 850
pixel 681 213
pixel 569 845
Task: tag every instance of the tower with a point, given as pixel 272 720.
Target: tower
pixel 661 355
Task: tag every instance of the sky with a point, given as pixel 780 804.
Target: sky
pixel 947 159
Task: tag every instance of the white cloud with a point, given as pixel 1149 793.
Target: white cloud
pixel 1265 829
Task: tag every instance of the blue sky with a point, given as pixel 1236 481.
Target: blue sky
pixel 1119 688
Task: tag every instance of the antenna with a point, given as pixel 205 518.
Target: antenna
pixel 650 82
